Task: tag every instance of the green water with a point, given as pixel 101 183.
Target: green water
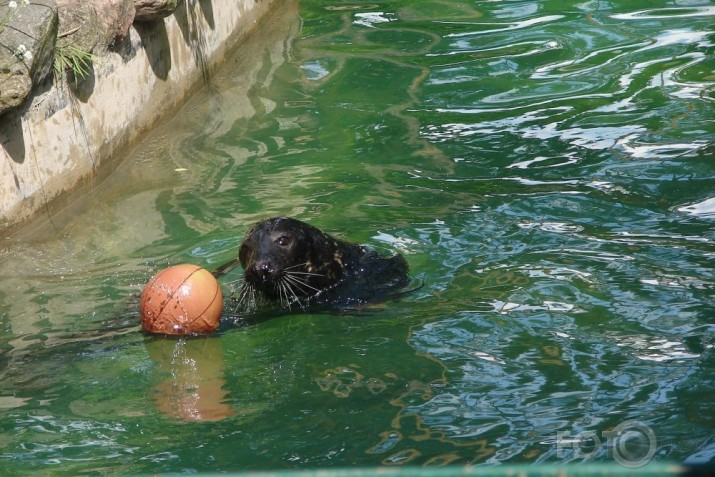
pixel 546 168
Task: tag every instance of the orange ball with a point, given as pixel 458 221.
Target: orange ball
pixel 180 300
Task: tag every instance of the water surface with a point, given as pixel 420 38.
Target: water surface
pixel 545 167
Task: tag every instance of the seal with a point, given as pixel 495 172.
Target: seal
pixel 292 263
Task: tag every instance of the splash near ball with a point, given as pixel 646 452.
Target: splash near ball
pixel 181 300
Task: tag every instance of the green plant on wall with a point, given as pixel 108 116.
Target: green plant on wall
pixel 71 59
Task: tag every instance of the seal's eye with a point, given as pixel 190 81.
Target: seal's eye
pixel 283 240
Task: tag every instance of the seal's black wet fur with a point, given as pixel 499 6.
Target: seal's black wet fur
pixel 292 263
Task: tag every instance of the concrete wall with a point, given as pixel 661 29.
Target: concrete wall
pixel 69 137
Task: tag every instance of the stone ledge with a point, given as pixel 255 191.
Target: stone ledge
pixel 66 136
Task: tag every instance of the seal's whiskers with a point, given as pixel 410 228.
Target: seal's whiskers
pixel 246 296
pixel 289 270
pixel 300 282
pixel 287 293
pixel 293 286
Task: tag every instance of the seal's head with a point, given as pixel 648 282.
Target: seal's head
pixel 287 260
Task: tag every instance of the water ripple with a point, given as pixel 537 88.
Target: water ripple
pixel 514 26
pixel 666 13
pixel 705 208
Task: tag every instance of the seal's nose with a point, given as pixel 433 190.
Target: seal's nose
pixel 263 270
